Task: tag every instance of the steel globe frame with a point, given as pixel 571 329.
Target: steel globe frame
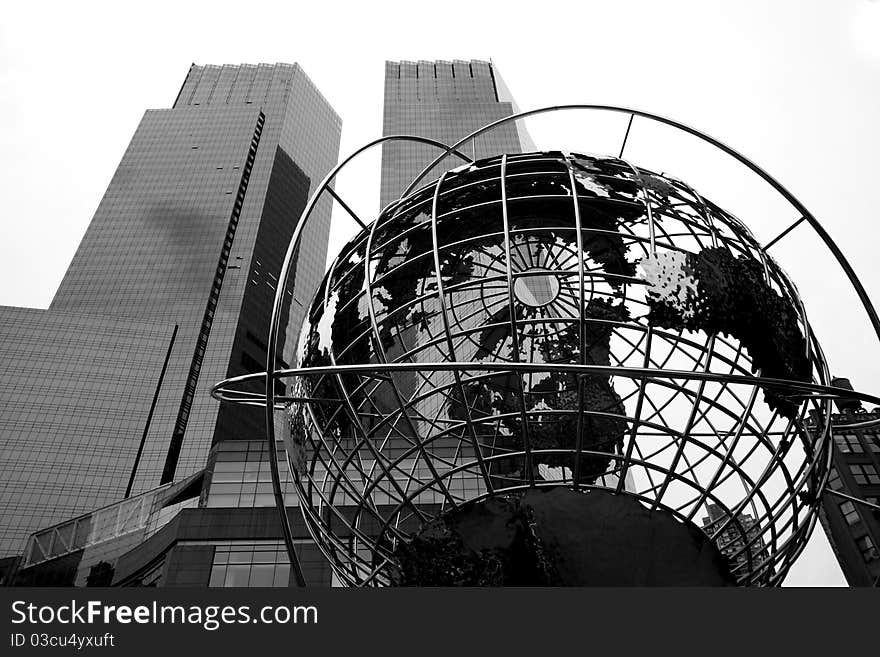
pixel 230 390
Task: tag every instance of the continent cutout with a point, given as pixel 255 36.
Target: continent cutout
pixel 720 293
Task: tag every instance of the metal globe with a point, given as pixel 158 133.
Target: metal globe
pixel 556 320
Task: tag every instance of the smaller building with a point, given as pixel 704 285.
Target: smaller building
pixel 853 528
pixel 740 541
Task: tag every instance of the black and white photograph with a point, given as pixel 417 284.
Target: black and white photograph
pixel 560 301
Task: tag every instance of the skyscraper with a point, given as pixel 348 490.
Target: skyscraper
pixel 191 229
pixel 169 291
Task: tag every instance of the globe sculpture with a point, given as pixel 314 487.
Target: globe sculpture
pixel 553 368
pixel 512 316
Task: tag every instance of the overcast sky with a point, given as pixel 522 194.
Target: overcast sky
pixel 794 85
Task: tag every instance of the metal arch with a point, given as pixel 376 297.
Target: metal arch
pixel 805 214
pixel 582 331
pixel 441 297
pixel 528 467
pixel 274 327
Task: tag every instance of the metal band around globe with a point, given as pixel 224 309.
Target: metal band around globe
pixel 221 390
pixel 225 390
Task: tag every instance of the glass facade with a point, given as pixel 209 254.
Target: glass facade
pixel 255 564
pixel 76 393
pixel 192 230
pixel 221 547
pixel 239 476
pixel 265 564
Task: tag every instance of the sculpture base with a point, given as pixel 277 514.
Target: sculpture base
pixel 560 537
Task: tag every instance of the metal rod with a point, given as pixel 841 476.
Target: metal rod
pixel 606 370
pixel 514 334
pixel 351 212
pixel 582 330
pixel 784 233
pixel 626 136
pixel 851 498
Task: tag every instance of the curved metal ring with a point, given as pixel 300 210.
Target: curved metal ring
pixel 801 389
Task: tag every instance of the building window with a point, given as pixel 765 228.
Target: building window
pixel 848 443
pixel 865 474
pixel 867 548
pixel 873 441
pixel 848 509
pixel 258 564
pixel 834 482
pixel 241 477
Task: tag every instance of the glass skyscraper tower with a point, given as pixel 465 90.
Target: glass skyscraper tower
pixel 445 101
pixel 107 393
pixel 192 230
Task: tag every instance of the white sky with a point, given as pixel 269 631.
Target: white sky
pixel 792 84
